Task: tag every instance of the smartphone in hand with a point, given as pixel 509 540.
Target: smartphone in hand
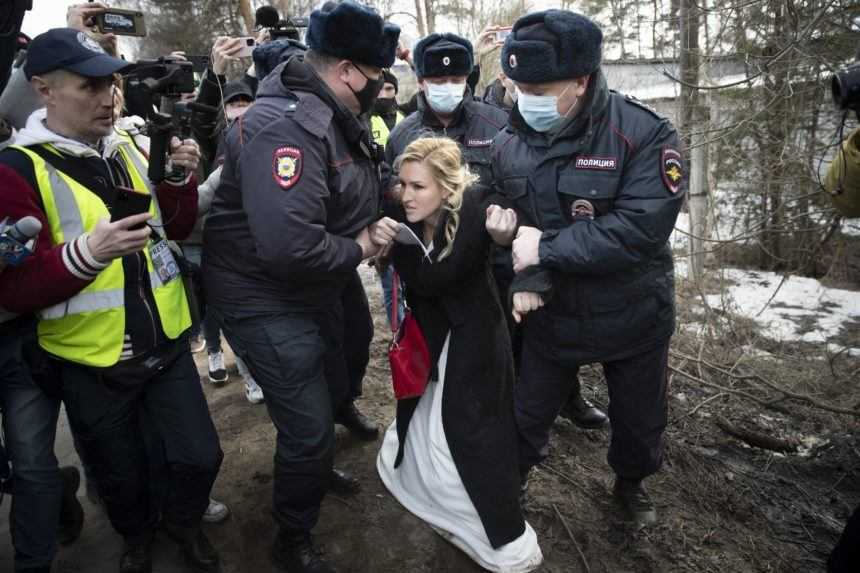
pixel 128 202
pixel 121 22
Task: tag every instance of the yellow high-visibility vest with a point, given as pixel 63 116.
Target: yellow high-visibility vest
pixel 379 130
pixel 89 328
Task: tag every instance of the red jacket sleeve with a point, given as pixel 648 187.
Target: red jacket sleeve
pixel 54 273
pixel 178 205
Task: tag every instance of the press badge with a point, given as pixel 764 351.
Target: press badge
pixel 163 262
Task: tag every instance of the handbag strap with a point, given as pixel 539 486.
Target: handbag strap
pixel 395 309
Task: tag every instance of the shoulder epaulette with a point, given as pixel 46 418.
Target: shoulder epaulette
pixel 642 105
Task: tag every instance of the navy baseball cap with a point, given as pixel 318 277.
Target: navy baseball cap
pixel 71 50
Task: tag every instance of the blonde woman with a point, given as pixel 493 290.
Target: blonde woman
pixel 450 457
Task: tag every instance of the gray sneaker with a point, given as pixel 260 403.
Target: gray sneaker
pixel 216 512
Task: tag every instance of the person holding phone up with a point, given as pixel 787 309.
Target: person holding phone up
pixel 111 308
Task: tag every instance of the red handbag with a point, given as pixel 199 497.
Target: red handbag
pixel 408 354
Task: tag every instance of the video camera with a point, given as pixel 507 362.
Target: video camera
pixel 268 17
pixel 845 86
pixel 163 81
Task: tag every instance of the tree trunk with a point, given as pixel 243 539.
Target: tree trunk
pixel 247 15
pixel 430 15
pixel 693 117
pixel 421 18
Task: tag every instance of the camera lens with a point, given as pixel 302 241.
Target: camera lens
pixel 845 87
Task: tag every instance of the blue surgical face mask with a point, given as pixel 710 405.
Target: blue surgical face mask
pixel 444 98
pixel 541 112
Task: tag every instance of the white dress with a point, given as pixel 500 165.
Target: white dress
pixel 428 485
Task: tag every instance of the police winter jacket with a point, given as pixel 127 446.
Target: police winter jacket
pixel 605 190
pixel 474 127
pixel 300 181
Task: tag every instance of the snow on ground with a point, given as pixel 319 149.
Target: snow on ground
pixel 801 308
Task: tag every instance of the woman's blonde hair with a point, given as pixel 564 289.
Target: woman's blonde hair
pixel 443 158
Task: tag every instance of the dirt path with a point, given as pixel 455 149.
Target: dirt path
pixel 723 507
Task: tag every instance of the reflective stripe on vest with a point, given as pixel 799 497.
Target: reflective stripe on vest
pixel 379 130
pixel 89 328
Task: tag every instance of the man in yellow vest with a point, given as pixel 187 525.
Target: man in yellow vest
pixel 385 113
pixel 111 308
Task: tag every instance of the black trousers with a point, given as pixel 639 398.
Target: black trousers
pixel 358 334
pixel 111 417
pixel 297 359
pixel 846 555
pixel 637 406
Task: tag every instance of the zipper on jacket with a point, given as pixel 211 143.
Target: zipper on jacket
pixel 142 291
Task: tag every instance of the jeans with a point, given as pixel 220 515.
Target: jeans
pixel 387 281
pixel 638 407
pixel 30 426
pixel 297 359
pixel 110 419
pixel 209 326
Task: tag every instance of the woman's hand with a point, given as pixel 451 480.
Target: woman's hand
pixel 501 224
pixel 524 303
pixel 383 231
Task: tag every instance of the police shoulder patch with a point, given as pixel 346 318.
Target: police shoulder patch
pixel 287 166
pixel 672 169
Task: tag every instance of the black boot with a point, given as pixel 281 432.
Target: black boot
pixel 137 555
pixel 360 425
pixel 71 512
pixel 582 412
pixel 635 501
pixel 198 551
pixel 294 552
pixel 343 483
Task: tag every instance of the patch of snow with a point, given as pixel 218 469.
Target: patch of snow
pixel 851 227
pixel 801 310
pixel 809 444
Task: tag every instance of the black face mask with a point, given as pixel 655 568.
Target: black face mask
pixel 367 95
pixel 385 106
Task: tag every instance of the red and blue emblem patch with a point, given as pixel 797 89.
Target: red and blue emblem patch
pixel 287 166
pixel 672 169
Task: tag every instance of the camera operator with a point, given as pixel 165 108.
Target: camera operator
pixel 842 182
pixel 112 309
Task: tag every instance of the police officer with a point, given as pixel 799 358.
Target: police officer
pixel 446 107
pixel 289 224
pixel 112 307
pixel 597 182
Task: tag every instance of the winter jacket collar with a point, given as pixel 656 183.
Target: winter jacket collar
pixel 295 75
pixel 37 133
